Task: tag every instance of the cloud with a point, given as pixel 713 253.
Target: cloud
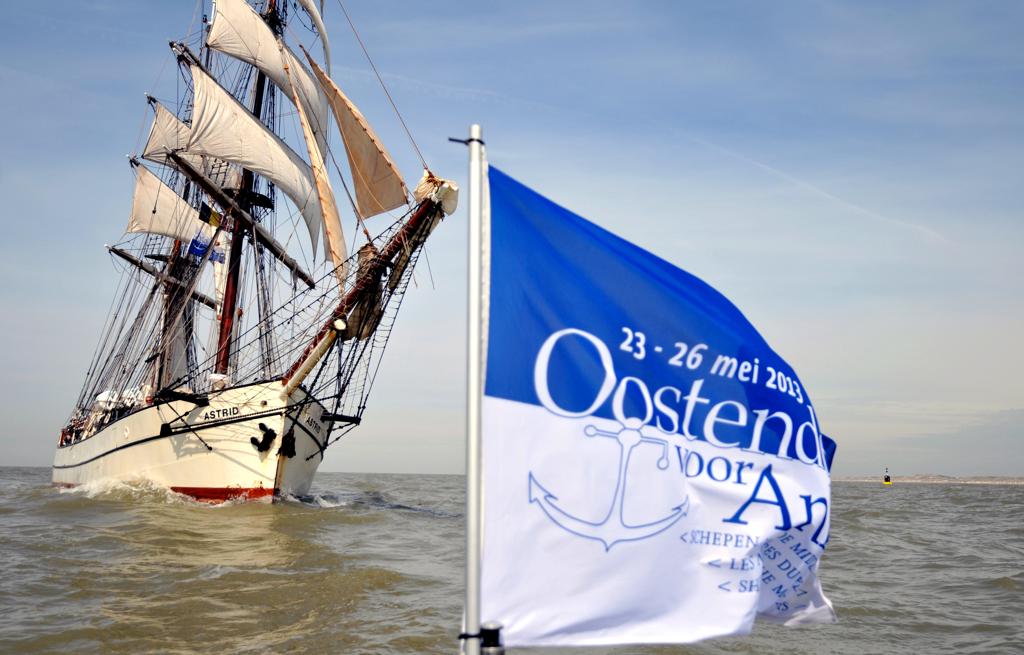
pixel 919 229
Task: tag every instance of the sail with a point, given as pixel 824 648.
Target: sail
pixel 168 134
pixel 237 30
pixel 220 272
pixel 157 209
pixel 223 128
pixel 379 186
pixel 314 13
pixel 333 236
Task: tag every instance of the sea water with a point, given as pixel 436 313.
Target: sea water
pixel 373 564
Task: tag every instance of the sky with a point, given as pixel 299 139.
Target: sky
pixel 849 174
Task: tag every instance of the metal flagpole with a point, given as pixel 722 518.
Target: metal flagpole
pixel 474 391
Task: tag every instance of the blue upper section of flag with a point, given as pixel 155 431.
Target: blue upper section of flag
pixel 679 348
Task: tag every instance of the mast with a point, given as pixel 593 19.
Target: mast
pixel 232 207
pixel 231 286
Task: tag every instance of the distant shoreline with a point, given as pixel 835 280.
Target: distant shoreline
pixel 934 479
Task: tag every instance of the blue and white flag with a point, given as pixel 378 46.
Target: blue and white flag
pixel 198 246
pixel 653 472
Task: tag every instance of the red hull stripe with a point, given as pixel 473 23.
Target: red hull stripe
pixel 220 494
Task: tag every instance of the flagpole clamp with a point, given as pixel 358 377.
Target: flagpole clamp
pixel 490 639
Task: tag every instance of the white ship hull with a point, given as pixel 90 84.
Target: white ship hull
pixel 207 452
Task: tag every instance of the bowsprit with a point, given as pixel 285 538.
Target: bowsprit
pixel 613 528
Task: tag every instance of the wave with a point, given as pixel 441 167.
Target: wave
pixel 319 500
pixel 146 491
pixel 130 490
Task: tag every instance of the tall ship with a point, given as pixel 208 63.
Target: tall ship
pixel 246 330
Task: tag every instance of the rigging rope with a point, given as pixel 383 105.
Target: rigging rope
pixel 382 85
pixel 341 173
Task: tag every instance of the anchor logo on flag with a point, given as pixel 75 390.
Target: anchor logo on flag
pixel 613 528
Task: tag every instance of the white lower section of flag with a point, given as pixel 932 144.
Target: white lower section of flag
pixel 596 534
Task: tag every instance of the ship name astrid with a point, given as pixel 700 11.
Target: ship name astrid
pixel 223 412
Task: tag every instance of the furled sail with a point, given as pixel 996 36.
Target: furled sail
pixel 157 209
pixel 223 128
pixel 239 31
pixel 333 236
pixel 378 184
pixel 177 336
pixel 314 13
